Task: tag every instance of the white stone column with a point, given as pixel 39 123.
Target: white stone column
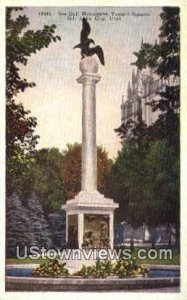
pixel 89 199
pixel 89 78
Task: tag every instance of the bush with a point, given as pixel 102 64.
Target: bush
pixel 129 268
pixel 51 269
pixel 101 269
pixel 122 268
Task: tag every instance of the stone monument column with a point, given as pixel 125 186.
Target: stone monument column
pixel 89 203
pixel 89 79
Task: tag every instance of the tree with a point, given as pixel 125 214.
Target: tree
pixel 71 169
pixel 163 185
pixel 146 184
pixel 125 184
pixel 165 56
pixel 25 226
pixel 166 61
pixel 158 145
pixel 20 44
pixel 47 182
pixel 34 215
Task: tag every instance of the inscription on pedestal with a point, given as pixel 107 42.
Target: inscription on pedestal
pixel 96 231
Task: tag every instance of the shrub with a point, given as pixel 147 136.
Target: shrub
pixel 122 268
pixel 51 269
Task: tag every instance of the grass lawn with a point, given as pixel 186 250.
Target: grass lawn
pixel 16 261
pixel 161 258
pixel 158 261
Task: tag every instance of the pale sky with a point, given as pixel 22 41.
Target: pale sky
pixel 56 100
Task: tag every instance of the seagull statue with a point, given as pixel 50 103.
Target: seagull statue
pixel 85 42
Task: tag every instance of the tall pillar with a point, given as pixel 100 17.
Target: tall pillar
pixel 89 79
pixel 89 201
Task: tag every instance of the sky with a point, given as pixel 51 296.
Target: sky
pixel 56 101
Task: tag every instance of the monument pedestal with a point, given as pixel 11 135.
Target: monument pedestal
pixel 89 221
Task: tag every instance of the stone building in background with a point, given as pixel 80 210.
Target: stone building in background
pixel 143 89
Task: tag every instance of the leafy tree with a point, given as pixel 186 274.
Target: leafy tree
pixel 165 56
pixel 47 183
pixel 20 45
pixel 34 215
pixel 125 182
pixel 156 194
pixel 163 185
pixel 18 175
pixel 71 169
pixel 146 184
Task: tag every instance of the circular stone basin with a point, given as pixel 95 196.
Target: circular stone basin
pixel 19 278
pixel 154 271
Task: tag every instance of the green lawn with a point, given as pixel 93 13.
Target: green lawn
pixel 161 260
pixel 17 261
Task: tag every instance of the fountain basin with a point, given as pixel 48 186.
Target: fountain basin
pixel 18 278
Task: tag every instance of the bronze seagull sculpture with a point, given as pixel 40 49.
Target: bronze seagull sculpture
pixel 85 43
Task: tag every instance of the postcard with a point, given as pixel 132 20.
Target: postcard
pixel 93 149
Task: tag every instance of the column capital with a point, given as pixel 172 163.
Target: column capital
pixel 89 78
